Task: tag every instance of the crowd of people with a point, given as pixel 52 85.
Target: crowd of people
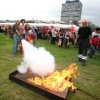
pixel 22 30
pixel 62 37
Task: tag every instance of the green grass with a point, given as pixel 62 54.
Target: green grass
pixel 89 79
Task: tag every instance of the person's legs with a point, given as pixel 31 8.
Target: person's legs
pixel 85 48
pixel 54 40
pixel 80 50
pixel 18 41
pixel 61 42
pixel 72 41
pixel 50 39
pixel 14 50
pixel 99 47
pixel 66 42
pixel 91 52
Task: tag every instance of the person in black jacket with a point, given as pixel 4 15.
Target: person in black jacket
pixel 84 37
pixel 16 38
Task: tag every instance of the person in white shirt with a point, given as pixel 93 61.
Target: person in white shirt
pixel 96 32
pixel 54 33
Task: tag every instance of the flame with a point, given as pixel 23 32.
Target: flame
pixel 58 81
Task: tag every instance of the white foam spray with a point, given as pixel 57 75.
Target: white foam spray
pixel 38 60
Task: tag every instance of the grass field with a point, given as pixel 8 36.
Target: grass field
pixel 88 81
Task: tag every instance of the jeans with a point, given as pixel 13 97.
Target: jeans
pixel 92 50
pixel 66 42
pixel 16 41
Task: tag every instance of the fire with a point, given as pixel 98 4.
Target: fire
pixel 58 81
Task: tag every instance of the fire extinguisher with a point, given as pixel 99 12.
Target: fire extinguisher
pixel 30 38
pixel 59 42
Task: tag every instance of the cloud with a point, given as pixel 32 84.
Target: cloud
pixel 47 9
pixel 90 10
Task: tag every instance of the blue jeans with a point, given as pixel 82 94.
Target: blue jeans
pixel 16 41
pixel 92 50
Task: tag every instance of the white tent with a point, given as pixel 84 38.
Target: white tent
pixel 64 26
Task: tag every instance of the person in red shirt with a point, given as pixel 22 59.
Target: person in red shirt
pixel 94 45
pixel 31 35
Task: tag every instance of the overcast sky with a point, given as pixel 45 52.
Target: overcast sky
pixel 46 9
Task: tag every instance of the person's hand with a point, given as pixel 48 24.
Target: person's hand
pixel 18 33
pixel 75 41
pixel 90 41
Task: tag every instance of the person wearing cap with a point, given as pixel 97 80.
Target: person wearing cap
pixel 84 37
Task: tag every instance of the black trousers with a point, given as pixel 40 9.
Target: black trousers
pixel 66 42
pixel 83 47
pixel 71 40
pixel 53 40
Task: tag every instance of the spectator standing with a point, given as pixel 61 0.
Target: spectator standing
pixel 97 31
pixel 84 36
pixel 50 35
pixel 54 33
pixel 67 35
pixel 16 39
pixel 22 28
pixel 31 35
pixel 61 37
pixel 94 45
pixel 72 37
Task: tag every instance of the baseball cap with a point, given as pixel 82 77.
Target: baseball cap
pixel 84 21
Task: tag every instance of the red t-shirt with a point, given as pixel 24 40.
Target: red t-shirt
pixel 95 41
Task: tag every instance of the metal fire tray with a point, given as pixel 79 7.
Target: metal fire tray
pixel 22 80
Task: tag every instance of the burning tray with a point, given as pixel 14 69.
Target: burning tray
pixel 22 80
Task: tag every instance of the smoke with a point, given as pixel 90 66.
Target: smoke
pixel 38 60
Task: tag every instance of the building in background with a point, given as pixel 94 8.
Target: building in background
pixel 71 11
